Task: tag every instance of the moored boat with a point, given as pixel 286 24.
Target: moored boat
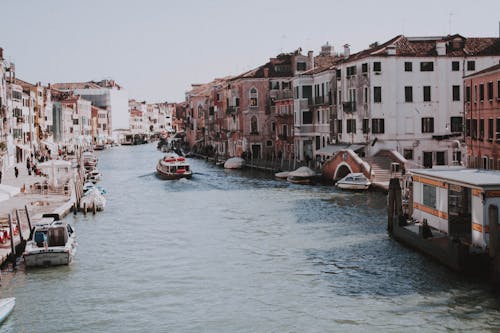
pixel 173 166
pixel 234 163
pixel 354 181
pixel 93 199
pixel 6 307
pixel 302 175
pixel 52 243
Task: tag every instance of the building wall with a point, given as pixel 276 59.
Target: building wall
pixel 483 148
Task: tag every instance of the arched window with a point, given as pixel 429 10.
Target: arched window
pixel 254 98
pixel 253 125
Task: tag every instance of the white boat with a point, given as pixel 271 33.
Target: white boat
pixel 6 307
pixel 302 175
pixel 93 175
pixel 89 159
pixel 173 166
pixel 354 181
pixel 93 200
pixel 52 243
pixel 234 163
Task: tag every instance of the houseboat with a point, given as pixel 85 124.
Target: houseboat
pixel 451 214
pixel 173 166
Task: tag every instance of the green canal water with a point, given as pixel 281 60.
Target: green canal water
pixel 238 251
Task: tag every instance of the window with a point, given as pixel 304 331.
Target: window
pixel 351 126
pixel 269 143
pixel 498 129
pixel 253 125
pixel 365 95
pixel 456 124
pixel 429 196
pixel 481 129
pixel 408 154
pixel 481 92
pixel 427 125
pixel 307 117
pixel 474 128
pixel 426 66
pixel 338 73
pixel 339 125
pixel 455 66
pixel 364 68
pixel 351 71
pixel 440 158
pixel 467 94
pixel 408 94
pixel 408 66
pixel 301 66
pixel 366 126
pixel 75 121
pixel 490 129
pixel 490 91
pixel 377 94
pixel 467 127
pixel 427 93
pixel 254 98
pixel 471 65
pixel 378 126
pixel 455 93
pixel 377 66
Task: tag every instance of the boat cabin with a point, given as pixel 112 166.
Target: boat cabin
pixel 461 203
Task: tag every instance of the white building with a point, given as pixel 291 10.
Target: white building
pixel 406 95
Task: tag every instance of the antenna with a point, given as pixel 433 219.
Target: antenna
pixel 449 22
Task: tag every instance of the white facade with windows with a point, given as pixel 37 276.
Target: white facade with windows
pixel 400 99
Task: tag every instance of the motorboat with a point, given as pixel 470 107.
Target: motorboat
pixel 354 181
pixel 173 166
pixel 93 199
pixel 89 185
pixel 234 163
pixel 89 159
pixel 6 307
pixel 302 175
pixel 51 243
pixel 93 175
pixel 99 146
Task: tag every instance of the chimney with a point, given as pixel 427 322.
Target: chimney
pixel 266 72
pixel 311 58
pixel 440 48
pixel 391 49
pixel 347 51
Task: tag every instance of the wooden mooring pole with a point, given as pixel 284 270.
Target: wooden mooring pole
pixel 394 208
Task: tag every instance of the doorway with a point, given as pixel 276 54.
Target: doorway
pixel 427 159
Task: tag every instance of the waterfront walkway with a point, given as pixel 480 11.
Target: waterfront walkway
pixel 25 197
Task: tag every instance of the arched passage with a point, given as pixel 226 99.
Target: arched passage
pixel 342 170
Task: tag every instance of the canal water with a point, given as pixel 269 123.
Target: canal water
pixel 238 251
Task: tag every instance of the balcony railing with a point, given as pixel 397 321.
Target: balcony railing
pixel 232 109
pixel 283 94
pixel 349 106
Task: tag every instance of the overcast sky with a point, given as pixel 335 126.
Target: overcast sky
pixel 156 49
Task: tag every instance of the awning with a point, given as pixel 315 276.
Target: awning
pixel 331 150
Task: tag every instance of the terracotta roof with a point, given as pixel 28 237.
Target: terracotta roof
pixel 24 84
pixel 455 46
pixel 136 113
pixel 275 67
pixel 485 71
pixel 75 85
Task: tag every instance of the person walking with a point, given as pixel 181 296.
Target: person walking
pixel 16 171
pixel 0 177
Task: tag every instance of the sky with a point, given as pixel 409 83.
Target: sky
pixel 157 49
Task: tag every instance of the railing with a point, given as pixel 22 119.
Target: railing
pixel 232 109
pixel 283 94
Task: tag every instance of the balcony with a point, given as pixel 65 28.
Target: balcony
pixel 232 110
pixel 283 94
pixel 349 106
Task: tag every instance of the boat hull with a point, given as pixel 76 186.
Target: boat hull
pixel 171 176
pixel 6 307
pixel 46 258
pixel 353 186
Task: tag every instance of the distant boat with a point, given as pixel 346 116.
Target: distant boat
pixel 354 181
pixel 6 307
pixel 302 175
pixel 234 163
pixel 173 166
pixel 282 175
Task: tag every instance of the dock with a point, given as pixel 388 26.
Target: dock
pixel 25 200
